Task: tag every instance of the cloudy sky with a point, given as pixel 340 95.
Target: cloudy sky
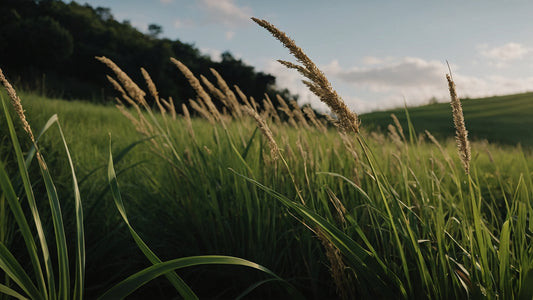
pixel 377 54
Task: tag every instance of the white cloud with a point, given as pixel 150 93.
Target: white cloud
pixel 213 53
pixel 507 52
pixel 404 72
pixel 226 12
pixel 181 23
pixel 230 35
pixel 470 86
pixel 166 1
pixel 393 81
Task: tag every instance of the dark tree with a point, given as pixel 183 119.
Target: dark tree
pixel 56 41
pixel 154 30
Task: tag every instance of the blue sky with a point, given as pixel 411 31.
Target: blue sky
pixel 377 54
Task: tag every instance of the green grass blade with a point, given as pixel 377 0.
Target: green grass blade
pixel 183 289
pixel 504 255
pixel 372 162
pixel 132 283
pixel 254 286
pixel 130 147
pixel 59 231
pixel 412 132
pixel 10 292
pixel 249 144
pixel 19 215
pixel 370 268
pixel 355 186
pixel 80 236
pixel 526 287
pixel 31 153
pixel 14 270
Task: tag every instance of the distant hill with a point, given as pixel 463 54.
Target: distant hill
pixel 501 119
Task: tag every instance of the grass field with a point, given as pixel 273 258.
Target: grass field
pixel 335 213
pixel 502 119
pixel 213 211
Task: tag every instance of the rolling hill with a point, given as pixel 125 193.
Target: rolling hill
pixel 500 119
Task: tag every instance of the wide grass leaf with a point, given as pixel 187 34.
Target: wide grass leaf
pixel 371 271
pixel 135 281
pixel 10 292
pixel 18 214
pixel 10 265
pixel 183 289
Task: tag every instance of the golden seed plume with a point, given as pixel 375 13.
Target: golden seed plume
pixel 242 96
pixel 287 110
pixel 202 110
pixel 232 99
pixel 318 83
pixel 188 121
pixel 298 114
pixel 394 136
pixel 267 103
pixel 17 105
pixel 170 106
pixel 436 142
pixel 310 113
pixel 253 103
pixel 265 130
pixel 153 90
pixel 211 87
pixel 398 126
pixel 195 83
pixel 461 134
pixel 339 271
pixel 131 87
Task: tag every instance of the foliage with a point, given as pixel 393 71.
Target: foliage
pixel 50 46
pixel 41 283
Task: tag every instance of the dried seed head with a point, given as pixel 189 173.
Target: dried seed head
pixel 317 81
pixel 461 134
pixel 195 83
pixel 17 105
pixel 265 130
pixel 231 98
pixel 339 271
pixel 153 90
pixel 398 126
pixel 131 87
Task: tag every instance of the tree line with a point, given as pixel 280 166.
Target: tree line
pixel 50 45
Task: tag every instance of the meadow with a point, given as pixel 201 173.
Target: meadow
pixel 499 119
pixel 335 209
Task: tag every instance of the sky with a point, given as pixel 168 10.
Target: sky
pixel 377 54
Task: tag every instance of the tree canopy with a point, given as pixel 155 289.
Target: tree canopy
pixel 51 45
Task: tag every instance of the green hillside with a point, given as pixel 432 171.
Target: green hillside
pixel 502 119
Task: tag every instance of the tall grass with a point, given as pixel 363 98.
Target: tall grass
pixel 337 211
pixel 402 220
pixel 44 283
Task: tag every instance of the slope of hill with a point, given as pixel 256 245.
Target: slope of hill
pixel 501 119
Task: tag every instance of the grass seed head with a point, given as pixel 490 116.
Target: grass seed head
pixel 129 85
pixel 317 81
pixel 265 130
pixel 195 83
pixel 17 105
pixel 153 90
pixel 461 134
